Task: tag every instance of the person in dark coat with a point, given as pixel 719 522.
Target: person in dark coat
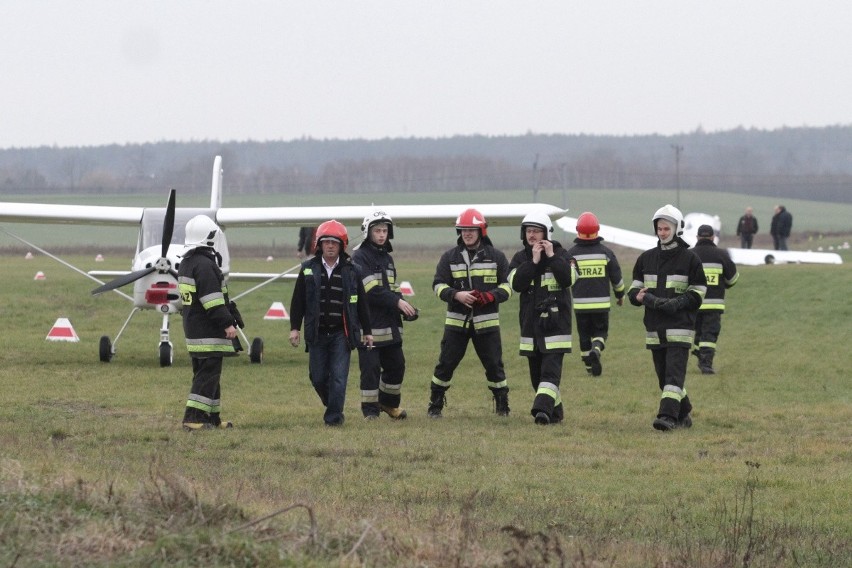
pixel 747 228
pixel 669 281
pixel 782 224
pixel 209 324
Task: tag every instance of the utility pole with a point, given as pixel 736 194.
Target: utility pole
pixel 678 149
pixel 535 179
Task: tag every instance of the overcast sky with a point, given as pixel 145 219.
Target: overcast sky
pixel 92 72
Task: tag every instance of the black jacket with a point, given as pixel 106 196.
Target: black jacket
pixel 782 224
pixel 719 270
pixel 378 277
pixel 205 311
pixel 598 269
pixel 487 272
pixel 670 274
pixel 545 301
pixel 307 296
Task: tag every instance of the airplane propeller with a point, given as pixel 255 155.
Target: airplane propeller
pixel 162 265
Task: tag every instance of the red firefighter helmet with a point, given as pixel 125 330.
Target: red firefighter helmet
pixel 588 226
pixel 332 230
pixel 472 219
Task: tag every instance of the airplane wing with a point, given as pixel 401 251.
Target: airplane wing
pixel 409 216
pixel 71 214
pixel 614 235
pixel 744 257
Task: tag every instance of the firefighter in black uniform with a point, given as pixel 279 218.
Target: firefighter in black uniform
pixel 209 323
pixel 542 273
pixel 382 368
pixel 669 281
pixel 598 270
pixel 471 279
pixel 721 274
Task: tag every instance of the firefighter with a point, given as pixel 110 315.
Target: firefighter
pixel 209 323
pixel 329 297
pixel 542 273
pixel 721 273
pixel 471 279
pixel 669 281
pixel 382 368
pixel 599 270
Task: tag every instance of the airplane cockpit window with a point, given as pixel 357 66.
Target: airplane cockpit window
pixel 152 226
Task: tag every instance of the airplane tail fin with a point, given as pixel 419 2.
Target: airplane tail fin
pixel 216 189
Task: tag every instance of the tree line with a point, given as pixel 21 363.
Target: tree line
pixel 787 163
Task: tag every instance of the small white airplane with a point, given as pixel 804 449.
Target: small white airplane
pixel 159 246
pixel 691 221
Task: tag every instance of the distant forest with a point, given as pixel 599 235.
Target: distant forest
pixel 812 163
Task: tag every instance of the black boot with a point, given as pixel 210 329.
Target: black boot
pixel 705 361
pixel 437 400
pixel 501 402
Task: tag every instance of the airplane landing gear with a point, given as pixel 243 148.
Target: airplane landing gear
pixel 166 354
pixel 256 350
pixel 105 349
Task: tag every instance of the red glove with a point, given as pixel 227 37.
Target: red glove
pixel 484 298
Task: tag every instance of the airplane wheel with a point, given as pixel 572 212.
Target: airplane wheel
pixel 256 350
pixel 165 355
pixel 769 259
pixel 105 349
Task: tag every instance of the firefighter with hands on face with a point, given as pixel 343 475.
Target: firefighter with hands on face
pixel 721 274
pixel 209 323
pixel 471 279
pixel 382 368
pixel 543 273
pixel 330 298
pixel 599 270
pixel 669 281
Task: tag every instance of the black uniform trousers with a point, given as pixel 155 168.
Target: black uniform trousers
pixel 488 347
pixel 382 370
pixel 670 365
pixel 546 367
pixel 205 391
pixel 708 325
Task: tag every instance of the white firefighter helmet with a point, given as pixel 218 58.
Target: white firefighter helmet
pixel 537 219
pixel 377 216
pixel 201 231
pixel 671 214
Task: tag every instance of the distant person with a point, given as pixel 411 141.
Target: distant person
pixel 382 368
pixel 598 271
pixel 669 281
pixel 782 223
pixel 542 273
pixel 471 279
pixel 721 273
pixel 747 228
pixel 208 323
pixel 330 298
pixel 307 242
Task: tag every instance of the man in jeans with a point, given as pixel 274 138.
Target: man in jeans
pixel 330 298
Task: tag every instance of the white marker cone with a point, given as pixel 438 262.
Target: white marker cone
pixel 62 330
pixel 276 311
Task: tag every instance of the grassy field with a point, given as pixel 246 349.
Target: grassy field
pixel 95 470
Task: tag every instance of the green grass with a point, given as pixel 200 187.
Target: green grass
pixel 95 471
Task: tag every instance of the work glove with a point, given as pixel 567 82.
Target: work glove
pixel 484 298
pixel 675 304
pixel 652 301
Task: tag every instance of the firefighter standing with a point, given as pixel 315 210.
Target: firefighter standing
pixel 721 274
pixel 208 323
pixel 542 273
pixel 598 270
pixel 382 368
pixel 669 281
pixel 471 279
pixel 329 297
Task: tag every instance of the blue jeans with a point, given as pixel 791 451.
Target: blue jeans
pixel 328 367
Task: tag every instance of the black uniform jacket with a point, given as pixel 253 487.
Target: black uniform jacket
pixel 204 295
pixel 378 276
